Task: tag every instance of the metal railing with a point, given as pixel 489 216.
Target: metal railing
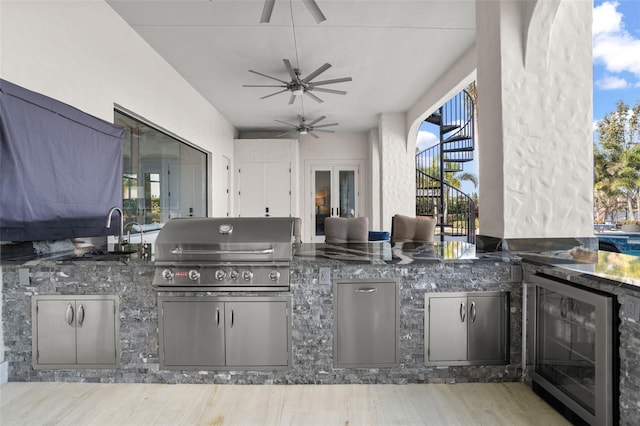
pixel 455 210
pixel 435 168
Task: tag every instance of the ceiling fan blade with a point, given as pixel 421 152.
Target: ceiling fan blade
pixel 325 125
pixel 337 92
pixel 284 134
pixel 314 97
pixel 263 85
pixel 268 76
pixel 316 120
pixel 316 73
pixel 290 70
pixel 292 99
pixel 323 130
pixel 314 135
pixel 273 94
pixel 314 10
pixel 335 80
pixel 295 126
pixel 266 11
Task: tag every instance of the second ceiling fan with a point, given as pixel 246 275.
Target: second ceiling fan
pixel 304 128
pixel 312 6
pixel 299 86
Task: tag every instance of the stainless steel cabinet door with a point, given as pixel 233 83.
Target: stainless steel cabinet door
pixel 366 324
pixel 257 333
pixel 95 332
pixel 447 329
pixel 56 332
pixel 486 328
pixel 192 333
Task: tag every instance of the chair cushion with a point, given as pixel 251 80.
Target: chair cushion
pixel 346 230
pixel 412 229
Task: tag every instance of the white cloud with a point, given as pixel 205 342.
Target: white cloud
pixel 612 83
pixel 613 46
pixel 426 140
pixel 606 19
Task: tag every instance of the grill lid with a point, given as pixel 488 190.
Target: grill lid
pixel 241 239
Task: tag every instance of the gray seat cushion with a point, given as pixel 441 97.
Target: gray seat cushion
pixel 406 229
pixel 346 230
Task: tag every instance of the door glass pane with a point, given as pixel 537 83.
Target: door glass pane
pixel 566 345
pixel 322 198
pixel 347 193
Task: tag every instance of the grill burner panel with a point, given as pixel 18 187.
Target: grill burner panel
pixel 224 254
pixel 273 277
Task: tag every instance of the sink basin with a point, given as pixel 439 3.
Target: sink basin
pixel 103 255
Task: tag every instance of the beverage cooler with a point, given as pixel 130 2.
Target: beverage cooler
pixel 574 355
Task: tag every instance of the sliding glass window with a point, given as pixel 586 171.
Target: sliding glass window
pixel 163 177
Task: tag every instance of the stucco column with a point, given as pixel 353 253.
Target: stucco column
pixel 535 112
pixel 397 176
pixel 373 182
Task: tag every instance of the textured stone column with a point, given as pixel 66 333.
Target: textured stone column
pixel 397 177
pixel 535 114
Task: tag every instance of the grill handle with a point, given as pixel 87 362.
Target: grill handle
pixel 179 251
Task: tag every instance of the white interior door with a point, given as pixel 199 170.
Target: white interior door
pixel 335 192
pixel 251 190
pixel 277 179
pixel 264 189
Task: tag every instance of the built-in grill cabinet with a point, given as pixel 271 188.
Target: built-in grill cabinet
pixel 224 254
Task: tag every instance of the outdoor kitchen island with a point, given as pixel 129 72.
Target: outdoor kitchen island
pixel 418 269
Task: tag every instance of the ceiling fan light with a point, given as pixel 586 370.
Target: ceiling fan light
pixel 303 132
pixel 298 92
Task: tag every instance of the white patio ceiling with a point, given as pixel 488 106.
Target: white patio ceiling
pixel 394 50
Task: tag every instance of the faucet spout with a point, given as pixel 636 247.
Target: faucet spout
pixel 108 224
pixel 130 225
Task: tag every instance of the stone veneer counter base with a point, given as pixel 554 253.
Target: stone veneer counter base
pixel 418 268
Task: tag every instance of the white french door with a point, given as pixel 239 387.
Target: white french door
pixel 335 192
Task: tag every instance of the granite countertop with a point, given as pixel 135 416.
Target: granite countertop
pixel 386 253
pixel 615 268
pixel 351 253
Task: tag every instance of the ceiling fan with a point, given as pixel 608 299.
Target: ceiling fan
pixel 312 6
pixel 299 86
pixel 307 128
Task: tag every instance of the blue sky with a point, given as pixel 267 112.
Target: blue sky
pixel 616 65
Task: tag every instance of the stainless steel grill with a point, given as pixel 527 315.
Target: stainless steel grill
pixel 224 254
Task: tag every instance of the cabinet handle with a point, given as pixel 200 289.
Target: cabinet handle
pixel 80 315
pixel 218 317
pixel 68 315
pixel 463 311
pixel 366 290
pixel 231 318
pixel 473 311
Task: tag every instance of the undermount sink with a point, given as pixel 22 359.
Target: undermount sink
pixel 100 255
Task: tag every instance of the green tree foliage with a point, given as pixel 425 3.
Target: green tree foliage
pixel 617 162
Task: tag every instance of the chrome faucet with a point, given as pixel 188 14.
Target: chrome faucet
pixel 130 226
pixel 141 248
pixel 121 241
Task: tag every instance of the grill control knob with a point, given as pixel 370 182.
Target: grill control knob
pixel 274 275
pixel 167 274
pixel 233 274
pixel 247 275
pixel 220 275
pixel 194 275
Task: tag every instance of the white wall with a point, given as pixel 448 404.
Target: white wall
pixel 82 53
pixel 535 100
